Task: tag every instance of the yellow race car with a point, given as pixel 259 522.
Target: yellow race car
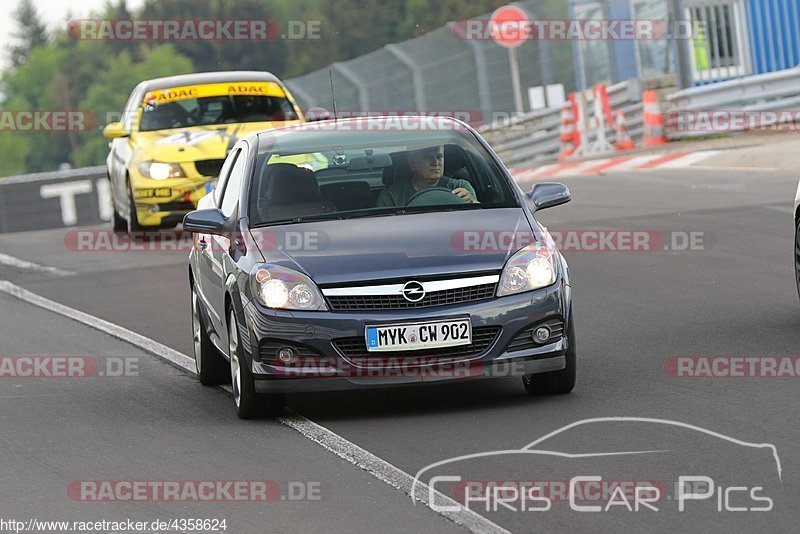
pixel 167 151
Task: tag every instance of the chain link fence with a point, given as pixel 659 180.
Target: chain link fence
pixel 443 71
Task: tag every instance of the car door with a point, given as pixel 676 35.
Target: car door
pixel 220 244
pixel 207 276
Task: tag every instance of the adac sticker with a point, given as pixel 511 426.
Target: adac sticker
pixel 159 96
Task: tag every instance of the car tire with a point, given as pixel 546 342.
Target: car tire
pixel 797 257
pixel 212 369
pixel 249 403
pixel 556 382
pixel 120 224
pixel 133 219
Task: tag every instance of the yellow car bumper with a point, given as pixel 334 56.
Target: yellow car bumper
pixel 165 202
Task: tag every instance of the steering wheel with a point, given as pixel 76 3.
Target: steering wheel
pixel 434 196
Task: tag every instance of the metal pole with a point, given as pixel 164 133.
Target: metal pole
pixel 482 72
pixel 683 66
pixel 416 74
pixel 514 61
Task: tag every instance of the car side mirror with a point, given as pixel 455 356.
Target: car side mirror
pixel 114 130
pixel 206 221
pixel 546 195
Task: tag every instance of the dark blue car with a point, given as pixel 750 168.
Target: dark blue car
pixel 372 253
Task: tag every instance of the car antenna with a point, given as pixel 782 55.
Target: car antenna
pixel 333 95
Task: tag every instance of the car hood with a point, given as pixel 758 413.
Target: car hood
pixel 396 247
pixel 179 145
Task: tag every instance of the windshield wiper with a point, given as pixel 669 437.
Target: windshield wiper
pixel 379 212
pixel 306 218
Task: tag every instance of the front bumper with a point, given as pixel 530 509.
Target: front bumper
pixel 323 366
pixel 165 202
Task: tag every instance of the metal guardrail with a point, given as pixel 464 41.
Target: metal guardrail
pixel 761 92
pixel 533 138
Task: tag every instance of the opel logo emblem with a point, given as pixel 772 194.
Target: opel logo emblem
pixel 413 291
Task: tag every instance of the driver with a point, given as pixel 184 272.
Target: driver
pixel 427 166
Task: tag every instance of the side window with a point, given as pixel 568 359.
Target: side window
pixel 233 185
pixel 223 175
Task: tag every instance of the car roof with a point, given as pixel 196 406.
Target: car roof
pixel 367 121
pixel 320 131
pixel 208 77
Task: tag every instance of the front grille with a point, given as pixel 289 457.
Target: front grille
pixel 398 302
pixel 209 167
pixel 524 339
pixel 355 348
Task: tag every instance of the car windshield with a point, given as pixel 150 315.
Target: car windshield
pixel 328 171
pixel 225 109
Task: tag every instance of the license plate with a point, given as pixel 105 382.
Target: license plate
pixel 159 192
pixel 416 336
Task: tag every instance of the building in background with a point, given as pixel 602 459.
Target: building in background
pixel 734 38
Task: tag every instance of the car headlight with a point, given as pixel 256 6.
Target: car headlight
pixel 530 268
pixel 284 289
pixel 160 171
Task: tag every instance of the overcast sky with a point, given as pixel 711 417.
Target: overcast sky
pixel 55 13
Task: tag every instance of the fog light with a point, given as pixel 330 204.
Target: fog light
pixel 154 209
pixel 286 354
pixel 541 334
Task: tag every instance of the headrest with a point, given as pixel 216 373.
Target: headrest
pixel 455 158
pixel 290 184
pixel 399 170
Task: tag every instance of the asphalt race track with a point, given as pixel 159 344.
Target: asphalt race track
pixel 734 295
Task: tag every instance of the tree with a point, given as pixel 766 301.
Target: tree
pixel 107 96
pixel 30 33
pixel 215 55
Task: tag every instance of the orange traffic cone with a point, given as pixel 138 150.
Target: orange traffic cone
pixel 653 120
pixel 624 141
pixel 569 136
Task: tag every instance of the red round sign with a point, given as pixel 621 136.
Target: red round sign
pixel 510 26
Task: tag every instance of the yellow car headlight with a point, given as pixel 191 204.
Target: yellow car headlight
pixel 160 171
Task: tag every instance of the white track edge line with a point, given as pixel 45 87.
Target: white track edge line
pixel 340 446
pixel 19 263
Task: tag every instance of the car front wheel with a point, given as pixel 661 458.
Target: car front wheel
pixel 249 403
pixel 556 382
